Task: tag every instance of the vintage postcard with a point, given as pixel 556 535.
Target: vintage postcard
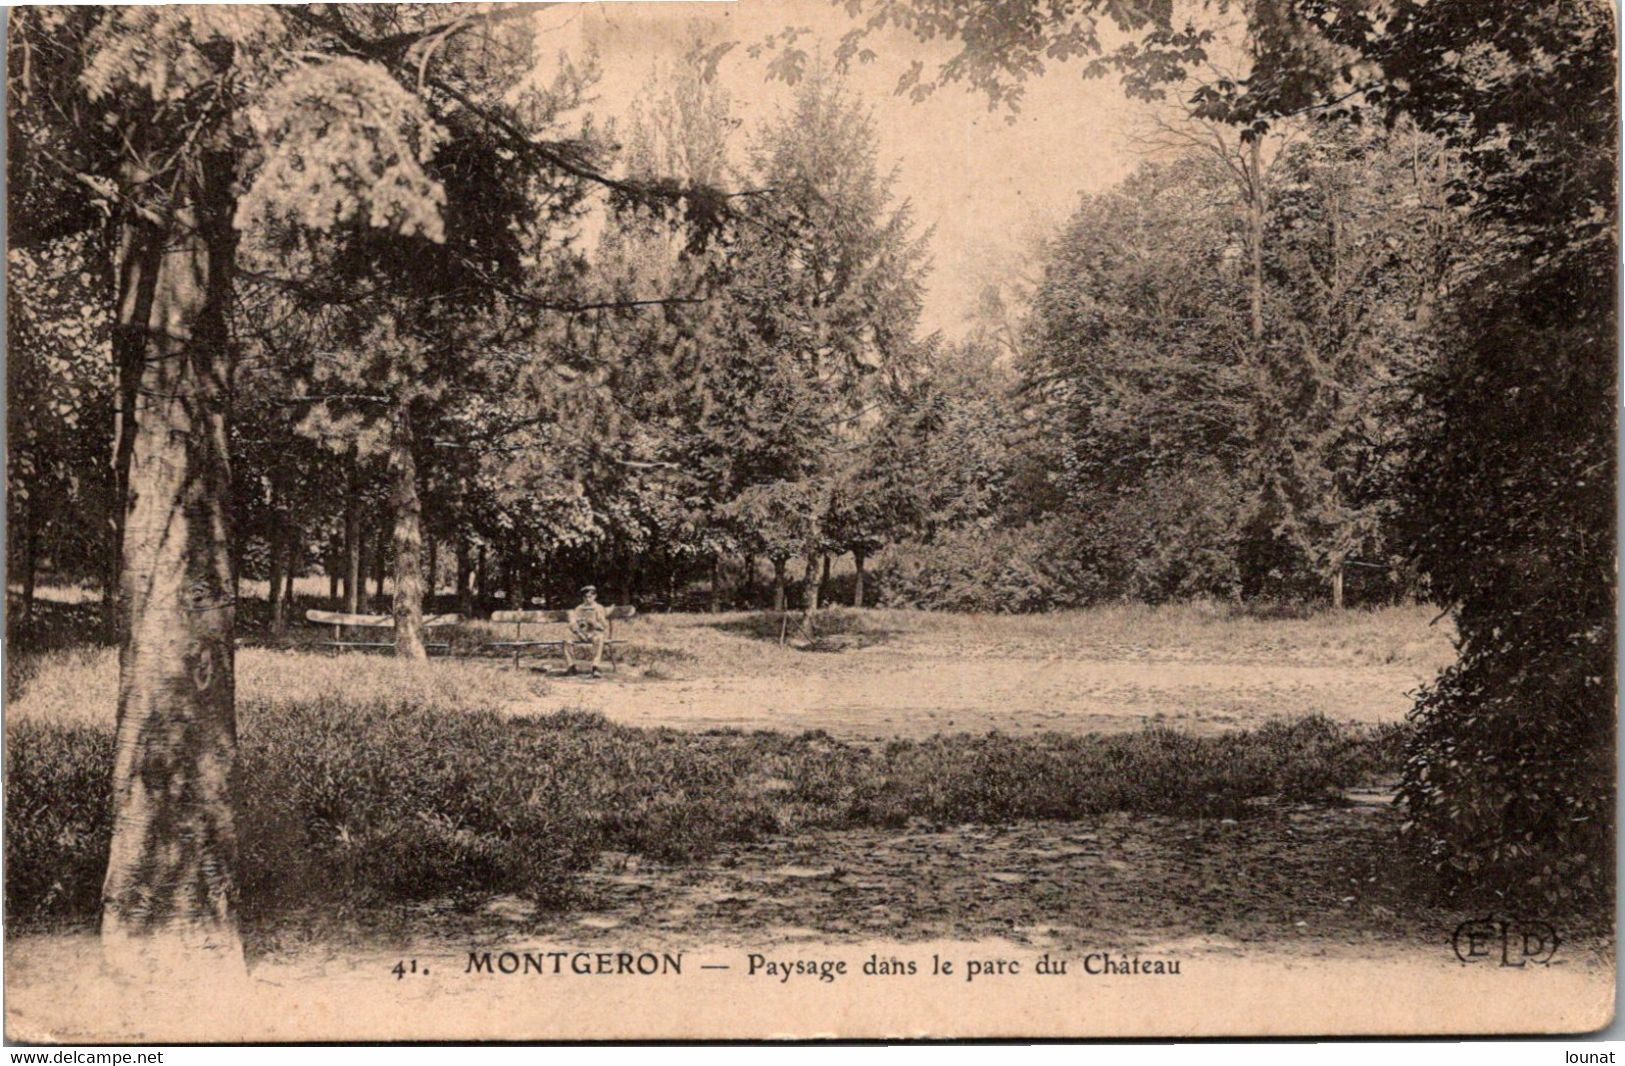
pixel 874 519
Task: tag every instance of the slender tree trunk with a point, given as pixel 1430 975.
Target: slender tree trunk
pixel 278 553
pixel 857 583
pixel 408 508
pixel 110 581
pixel 778 582
pixel 512 577
pixel 716 583
pixel 748 593
pixel 809 595
pixel 363 566
pixel 431 584
pixel 1337 588
pixel 169 899
pixel 465 577
pixel 292 543
pixel 353 593
pixel 380 559
pixel 1255 216
pixel 823 581
pixel 482 576
pixel 30 553
pixel 332 580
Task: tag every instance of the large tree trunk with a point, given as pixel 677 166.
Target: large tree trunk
pixel 170 895
pixel 138 256
pixel 857 583
pixel 403 473
pixel 352 533
pixel 778 582
pixel 809 596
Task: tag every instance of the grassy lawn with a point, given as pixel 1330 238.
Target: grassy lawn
pixel 748 642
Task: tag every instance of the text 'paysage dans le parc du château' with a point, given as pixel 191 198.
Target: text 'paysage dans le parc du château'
pixel 786 966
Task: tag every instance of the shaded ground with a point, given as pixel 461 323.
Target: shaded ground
pixel 1286 922
pixel 1291 880
pixel 1296 880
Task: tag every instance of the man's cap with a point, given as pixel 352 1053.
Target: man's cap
pixel 589 588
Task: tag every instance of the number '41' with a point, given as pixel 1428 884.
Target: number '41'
pixel 406 966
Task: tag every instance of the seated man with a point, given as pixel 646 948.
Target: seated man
pixel 590 625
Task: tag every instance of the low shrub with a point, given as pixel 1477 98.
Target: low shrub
pixel 997 778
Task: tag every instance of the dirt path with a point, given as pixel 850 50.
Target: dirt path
pixel 889 696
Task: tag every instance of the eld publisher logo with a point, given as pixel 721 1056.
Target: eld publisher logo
pixel 1513 942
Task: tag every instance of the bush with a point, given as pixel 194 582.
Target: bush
pixel 996 571
pixel 1175 539
pixel 1510 778
pixel 1509 490
pixel 1510 512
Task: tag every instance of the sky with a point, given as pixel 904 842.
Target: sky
pixel 989 187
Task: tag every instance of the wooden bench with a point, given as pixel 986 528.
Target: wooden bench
pixel 520 619
pixel 340 621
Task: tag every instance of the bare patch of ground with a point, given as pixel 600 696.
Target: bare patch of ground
pixel 879 674
pixel 1303 880
pixel 916 697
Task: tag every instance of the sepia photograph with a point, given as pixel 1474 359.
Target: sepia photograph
pixel 810 520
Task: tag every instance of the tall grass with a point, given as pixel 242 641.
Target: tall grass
pixel 81 684
pixel 350 801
